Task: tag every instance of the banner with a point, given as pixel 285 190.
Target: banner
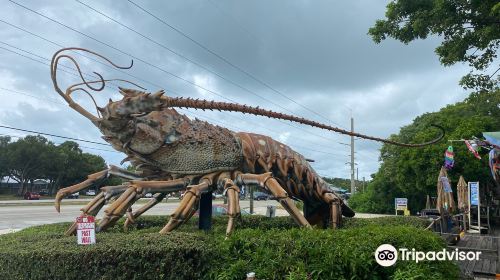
pixel 472 146
pixel 446 184
pixel 449 158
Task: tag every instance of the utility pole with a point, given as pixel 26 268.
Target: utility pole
pixel 357 178
pixel 353 185
pixel 251 198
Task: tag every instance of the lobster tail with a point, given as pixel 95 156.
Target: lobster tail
pixel 233 107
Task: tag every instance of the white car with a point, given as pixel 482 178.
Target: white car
pixel 74 195
pixel 90 192
pixel 148 195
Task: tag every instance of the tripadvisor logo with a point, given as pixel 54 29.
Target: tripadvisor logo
pixel 387 255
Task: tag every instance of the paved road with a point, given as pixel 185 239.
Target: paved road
pixel 13 217
pixel 18 217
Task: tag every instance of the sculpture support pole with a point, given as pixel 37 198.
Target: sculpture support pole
pixel 205 221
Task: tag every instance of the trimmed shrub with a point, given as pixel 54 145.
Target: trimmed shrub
pixel 324 254
pixel 387 221
pixel 43 255
pixel 273 248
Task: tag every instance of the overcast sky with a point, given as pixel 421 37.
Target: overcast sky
pixel 272 54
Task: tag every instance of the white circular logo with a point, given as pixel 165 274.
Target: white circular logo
pixel 386 255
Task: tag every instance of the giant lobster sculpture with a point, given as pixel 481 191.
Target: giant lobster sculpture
pixel 172 152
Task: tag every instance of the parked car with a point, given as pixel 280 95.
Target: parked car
pixel 217 196
pixel 148 195
pixel 90 192
pixel 74 195
pixel 260 196
pixel 44 192
pixel 32 196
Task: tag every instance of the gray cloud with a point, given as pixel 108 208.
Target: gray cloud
pixel 318 53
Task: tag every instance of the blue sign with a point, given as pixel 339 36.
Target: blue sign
pixel 474 193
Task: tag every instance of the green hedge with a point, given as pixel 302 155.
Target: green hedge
pixel 387 221
pixel 273 248
pixel 219 223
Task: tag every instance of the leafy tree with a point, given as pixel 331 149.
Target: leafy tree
pixel 470 32
pixel 34 157
pixel 413 172
pixel 75 164
pixel 4 170
pixel 25 159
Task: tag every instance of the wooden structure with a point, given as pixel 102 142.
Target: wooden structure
pixel 462 195
pixel 445 198
pixel 488 264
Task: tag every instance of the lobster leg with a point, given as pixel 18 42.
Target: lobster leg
pixel 233 203
pixel 336 209
pixel 267 181
pixel 131 216
pixel 135 191
pixel 91 180
pixel 188 206
pixel 95 205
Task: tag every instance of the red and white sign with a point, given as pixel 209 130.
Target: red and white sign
pixel 85 230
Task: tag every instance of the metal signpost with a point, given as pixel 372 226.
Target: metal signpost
pixel 474 200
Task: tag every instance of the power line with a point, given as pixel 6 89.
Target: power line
pixel 253 77
pixel 54 135
pixel 215 121
pixel 123 52
pixel 86 147
pixel 494 73
pixel 234 19
pixel 203 117
pixel 76 75
pixel 44 58
pixel 45 39
pixel 182 56
pixel 30 58
pixel 33 96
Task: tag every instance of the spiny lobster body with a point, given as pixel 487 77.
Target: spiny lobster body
pixel 166 142
pixel 172 152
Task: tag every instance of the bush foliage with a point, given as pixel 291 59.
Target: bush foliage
pixel 412 173
pixel 273 248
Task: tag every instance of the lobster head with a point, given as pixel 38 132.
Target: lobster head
pixel 122 121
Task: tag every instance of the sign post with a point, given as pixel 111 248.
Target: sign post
pixel 85 230
pixel 400 204
pixel 474 200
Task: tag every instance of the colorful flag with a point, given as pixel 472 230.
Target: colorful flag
pixel 473 147
pixel 448 158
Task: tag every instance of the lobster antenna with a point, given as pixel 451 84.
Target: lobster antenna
pixel 67 95
pixel 233 107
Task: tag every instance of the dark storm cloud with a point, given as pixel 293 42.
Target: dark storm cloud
pixel 315 52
